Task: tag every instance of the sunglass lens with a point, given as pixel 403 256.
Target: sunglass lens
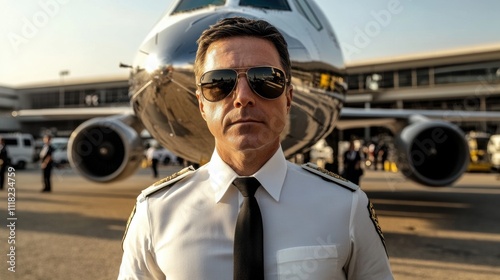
pixel 217 84
pixel 267 82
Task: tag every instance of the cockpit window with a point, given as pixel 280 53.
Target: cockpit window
pixel 188 5
pixel 308 13
pixel 267 4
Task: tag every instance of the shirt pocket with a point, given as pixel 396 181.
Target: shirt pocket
pixel 308 262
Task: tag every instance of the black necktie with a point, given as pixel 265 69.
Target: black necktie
pixel 248 236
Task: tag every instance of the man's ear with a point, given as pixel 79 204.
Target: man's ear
pixel 200 104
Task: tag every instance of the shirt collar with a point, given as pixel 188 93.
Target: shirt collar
pixel 271 175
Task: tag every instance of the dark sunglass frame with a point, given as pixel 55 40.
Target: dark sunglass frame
pixel 229 80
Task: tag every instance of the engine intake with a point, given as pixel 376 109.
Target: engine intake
pixel 433 153
pixel 106 149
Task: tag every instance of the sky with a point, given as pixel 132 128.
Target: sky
pixel 41 38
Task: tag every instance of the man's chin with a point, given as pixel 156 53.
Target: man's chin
pixel 249 141
pixel 249 145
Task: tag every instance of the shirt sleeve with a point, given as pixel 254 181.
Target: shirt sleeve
pixel 368 258
pixel 138 261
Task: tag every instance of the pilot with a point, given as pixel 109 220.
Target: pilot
pixel 46 162
pixel 249 213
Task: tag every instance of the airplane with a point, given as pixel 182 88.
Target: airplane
pixel 431 150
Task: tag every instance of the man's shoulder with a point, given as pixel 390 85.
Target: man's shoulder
pixel 166 183
pixel 329 176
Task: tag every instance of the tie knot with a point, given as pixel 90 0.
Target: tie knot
pixel 247 185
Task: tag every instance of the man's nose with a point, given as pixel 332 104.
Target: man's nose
pixel 243 93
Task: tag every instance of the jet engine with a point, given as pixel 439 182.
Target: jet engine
pixel 106 149
pixel 431 152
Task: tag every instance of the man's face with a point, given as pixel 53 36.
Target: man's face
pixel 243 120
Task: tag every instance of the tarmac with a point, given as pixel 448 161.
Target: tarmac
pixel 75 231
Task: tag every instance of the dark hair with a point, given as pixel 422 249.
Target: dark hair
pixel 239 26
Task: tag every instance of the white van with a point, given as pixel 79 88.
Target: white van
pixel 20 149
pixel 60 153
pixel 494 151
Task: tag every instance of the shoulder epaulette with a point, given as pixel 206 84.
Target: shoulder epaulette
pixel 165 182
pixel 160 185
pixel 330 176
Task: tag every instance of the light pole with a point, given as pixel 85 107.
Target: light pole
pixel 62 73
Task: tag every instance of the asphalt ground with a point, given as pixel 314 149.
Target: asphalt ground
pixel 75 232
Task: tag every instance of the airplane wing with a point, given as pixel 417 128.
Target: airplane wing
pixel 360 117
pixel 70 113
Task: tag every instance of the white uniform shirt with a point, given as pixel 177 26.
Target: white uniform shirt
pixel 313 229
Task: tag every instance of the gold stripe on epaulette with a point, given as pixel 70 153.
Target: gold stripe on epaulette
pixel 173 176
pixel 378 228
pixel 328 175
pixel 165 182
pixel 328 172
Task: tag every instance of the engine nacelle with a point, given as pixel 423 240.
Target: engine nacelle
pixel 433 153
pixel 106 149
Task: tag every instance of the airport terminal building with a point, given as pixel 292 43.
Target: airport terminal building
pixel 59 108
pixel 466 79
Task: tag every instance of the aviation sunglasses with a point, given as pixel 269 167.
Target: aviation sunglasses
pixel 266 81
